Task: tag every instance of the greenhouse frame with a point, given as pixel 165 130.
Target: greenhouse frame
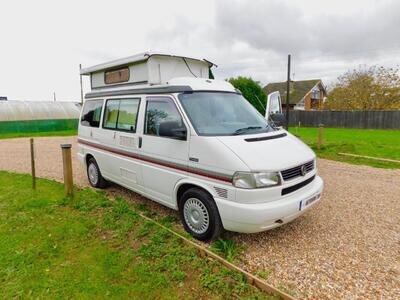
pixel 35 116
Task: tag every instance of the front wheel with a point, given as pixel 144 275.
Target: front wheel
pixel 199 214
pixel 94 175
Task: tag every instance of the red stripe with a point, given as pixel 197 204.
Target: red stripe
pixel 135 156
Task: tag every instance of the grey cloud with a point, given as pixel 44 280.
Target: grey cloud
pixel 261 24
pixel 252 38
pixel 284 28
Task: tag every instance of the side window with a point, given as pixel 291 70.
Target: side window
pixel 111 114
pixel 116 76
pixel 91 113
pixel 121 114
pixel 162 118
pixel 128 110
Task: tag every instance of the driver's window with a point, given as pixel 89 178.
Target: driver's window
pixel 161 116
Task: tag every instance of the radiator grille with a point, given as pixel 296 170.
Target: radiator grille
pixel 297 171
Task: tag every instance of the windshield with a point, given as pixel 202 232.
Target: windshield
pixel 214 113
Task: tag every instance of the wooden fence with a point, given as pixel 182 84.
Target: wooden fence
pixel 379 119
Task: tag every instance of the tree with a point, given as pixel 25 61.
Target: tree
pixel 250 90
pixel 373 88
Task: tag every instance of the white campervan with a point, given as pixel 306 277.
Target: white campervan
pixel 158 125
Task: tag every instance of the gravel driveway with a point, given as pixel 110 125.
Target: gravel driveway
pixel 347 246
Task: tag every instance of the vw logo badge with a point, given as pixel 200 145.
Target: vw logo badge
pixel 303 170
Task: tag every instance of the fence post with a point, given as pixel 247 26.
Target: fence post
pixel 67 169
pixel 320 141
pixel 33 170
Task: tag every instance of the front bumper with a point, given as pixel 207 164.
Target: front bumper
pixel 256 217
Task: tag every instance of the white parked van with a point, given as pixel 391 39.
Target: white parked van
pixel 158 125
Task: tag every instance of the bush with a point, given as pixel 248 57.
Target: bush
pixel 251 90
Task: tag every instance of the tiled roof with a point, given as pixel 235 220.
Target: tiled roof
pixel 298 89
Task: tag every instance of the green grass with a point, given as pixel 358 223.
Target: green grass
pixel 264 274
pixel 369 142
pixel 227 248
pixel 33 134
pixel 90 246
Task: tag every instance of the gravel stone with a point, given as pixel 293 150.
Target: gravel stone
pixel 347 246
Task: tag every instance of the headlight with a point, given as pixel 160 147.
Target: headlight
pixel 248 180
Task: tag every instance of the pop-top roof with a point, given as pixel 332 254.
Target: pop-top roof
pixel 149 68
pixel 134 59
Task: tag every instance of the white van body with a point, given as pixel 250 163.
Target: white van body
pixel 224 166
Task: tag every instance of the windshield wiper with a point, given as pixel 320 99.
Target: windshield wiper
pixel 245 129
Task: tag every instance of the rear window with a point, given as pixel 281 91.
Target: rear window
pixel 91 113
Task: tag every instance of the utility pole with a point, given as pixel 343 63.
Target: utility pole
pixel 54 96
pixel 80 75
pixel 287 93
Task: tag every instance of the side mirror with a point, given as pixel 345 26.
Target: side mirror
pixel 279 119
pixel 273 104
pixel 179 133
pixel 173 129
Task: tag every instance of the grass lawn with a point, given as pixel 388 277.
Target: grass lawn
pixel 33 134
pixel 369 142
pixel 90 246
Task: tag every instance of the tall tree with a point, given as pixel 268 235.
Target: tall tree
pixel 251 90
pixel 373 88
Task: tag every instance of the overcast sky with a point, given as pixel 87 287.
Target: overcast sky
pixel 43 42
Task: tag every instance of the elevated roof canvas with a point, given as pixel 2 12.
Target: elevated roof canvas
pixel 133 59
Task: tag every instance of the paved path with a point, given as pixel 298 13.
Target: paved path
pixel 348 246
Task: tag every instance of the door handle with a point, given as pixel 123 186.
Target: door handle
pixel 140 142
pixel 114 135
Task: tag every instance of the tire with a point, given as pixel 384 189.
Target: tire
pixel 94 175
pixel 199 215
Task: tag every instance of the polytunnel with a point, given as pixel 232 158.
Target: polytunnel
pixel 34 116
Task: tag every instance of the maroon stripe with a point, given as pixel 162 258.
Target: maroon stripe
pixel 135 156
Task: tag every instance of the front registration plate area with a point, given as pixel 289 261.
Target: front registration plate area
pixel 304 203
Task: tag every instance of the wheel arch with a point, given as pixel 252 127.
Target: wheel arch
pixel 87 157
pixel 184 184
